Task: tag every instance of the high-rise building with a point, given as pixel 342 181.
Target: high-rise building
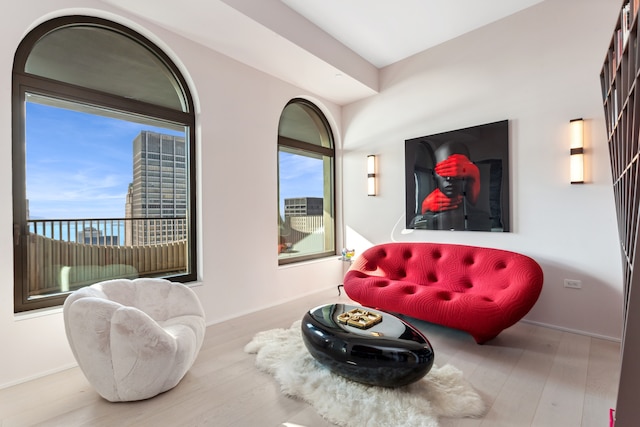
pixel 303 214
pixel 156 205
pixel 303 206
pixel 94 236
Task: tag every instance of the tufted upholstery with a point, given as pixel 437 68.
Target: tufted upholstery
pixel 478 290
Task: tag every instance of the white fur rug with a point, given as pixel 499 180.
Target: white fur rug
pixel 443 392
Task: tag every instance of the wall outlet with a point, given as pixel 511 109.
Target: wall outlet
pixel 573 283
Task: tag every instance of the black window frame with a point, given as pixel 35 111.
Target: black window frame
pixel 303 146
pixel 24 83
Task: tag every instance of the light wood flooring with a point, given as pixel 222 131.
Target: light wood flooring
pixel 529 376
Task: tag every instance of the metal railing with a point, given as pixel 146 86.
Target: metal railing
pixel 112 231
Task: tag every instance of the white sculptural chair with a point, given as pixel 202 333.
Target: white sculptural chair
pixel 134 339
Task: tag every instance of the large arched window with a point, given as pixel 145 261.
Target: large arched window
pixel 306 154
pixel 103 161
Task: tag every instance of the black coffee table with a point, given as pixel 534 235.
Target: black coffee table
pixel 366 345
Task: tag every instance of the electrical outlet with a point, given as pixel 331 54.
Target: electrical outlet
pixel 572 283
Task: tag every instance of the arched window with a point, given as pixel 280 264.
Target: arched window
pixel 103 161
pixel 305 184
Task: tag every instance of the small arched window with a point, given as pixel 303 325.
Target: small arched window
pixel 103 161
pixel 306 155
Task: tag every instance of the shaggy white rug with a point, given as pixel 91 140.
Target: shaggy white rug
pixel 443 392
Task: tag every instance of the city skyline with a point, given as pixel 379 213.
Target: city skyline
pixel 80 165
pixel 300 177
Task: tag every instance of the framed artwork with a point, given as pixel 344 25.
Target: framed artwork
pixel 459 180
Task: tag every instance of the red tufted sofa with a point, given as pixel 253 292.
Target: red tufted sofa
pixel 478 290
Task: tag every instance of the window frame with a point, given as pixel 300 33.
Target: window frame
pixel 24 83
pixel 302 146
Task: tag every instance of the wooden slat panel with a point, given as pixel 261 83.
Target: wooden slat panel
pixel 47 257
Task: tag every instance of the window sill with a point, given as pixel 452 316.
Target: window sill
pixel 310 261
pixel 41 312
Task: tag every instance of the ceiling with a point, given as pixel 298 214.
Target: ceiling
pixel 384 32
pixel 333 48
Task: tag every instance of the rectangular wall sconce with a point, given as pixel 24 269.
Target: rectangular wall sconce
pixel 577 151
pixel 371 175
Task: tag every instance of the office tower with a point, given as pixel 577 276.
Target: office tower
pixel 159 190
pixel 303 214
pixel 95 236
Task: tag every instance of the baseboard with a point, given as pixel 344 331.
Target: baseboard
pixel 573 331
pixel 39 375
pixel 241 313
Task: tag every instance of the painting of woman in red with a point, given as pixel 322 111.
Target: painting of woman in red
pixel 458 180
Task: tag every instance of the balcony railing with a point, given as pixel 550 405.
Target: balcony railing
pixel 66 254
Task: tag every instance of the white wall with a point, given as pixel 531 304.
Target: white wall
pixel 538 69
pixel 238 110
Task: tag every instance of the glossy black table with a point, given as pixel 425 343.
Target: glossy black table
pixel 389 353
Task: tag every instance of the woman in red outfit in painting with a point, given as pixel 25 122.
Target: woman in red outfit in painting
pixel 458 181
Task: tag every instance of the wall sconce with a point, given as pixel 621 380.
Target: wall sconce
pixel 371 175
pixel 577 151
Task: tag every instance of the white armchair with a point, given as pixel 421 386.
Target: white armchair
pixel 134 339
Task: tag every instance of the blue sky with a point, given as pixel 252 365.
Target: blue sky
pixel 300 176
pixel 79 165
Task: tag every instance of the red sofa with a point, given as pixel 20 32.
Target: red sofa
pixel 478 290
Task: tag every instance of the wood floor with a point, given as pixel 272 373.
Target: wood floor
pixel 529 376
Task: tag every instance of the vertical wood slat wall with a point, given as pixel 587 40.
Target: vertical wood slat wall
pixel 619 78
pixel 48 257
pixel 622 110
